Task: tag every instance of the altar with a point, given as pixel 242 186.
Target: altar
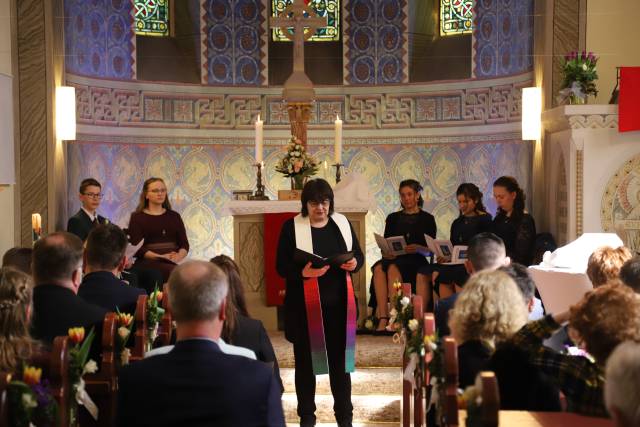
pixel 249 251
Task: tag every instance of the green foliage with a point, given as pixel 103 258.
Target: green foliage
pixel 580 69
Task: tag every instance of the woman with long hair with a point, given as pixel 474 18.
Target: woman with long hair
pixel 412 223
pixel 163 231
pixel 239 328
pixel 473 219
pixel 16 345
pixel 512 222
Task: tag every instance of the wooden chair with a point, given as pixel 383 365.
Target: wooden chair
pixel 102 386
pixel 140 338
pixel 59 378
pixel 165 328
pixel 450 404
pixel 490 399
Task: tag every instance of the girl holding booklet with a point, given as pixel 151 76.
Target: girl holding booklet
pixel 473 219
pixel 411 223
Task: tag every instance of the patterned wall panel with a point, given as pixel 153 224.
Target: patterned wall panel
pixel 503 37
pixel 233 43
pixel 375 41
pixel 202 176
pixel 99 38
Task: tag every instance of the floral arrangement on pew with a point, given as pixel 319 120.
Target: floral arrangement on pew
pixel 580 73
pixel 31 401
pixel 125 324
pixel 80 364
pixel 154 315
pixel 297 164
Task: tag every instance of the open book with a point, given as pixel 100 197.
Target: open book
pixel 391 245
pixel 131 250
pixel 303 257
pixel 444 249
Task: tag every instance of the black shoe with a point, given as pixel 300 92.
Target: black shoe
pixel 308 421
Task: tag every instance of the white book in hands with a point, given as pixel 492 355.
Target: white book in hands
pixel 131 250
pixel 394 245
pixel 444 249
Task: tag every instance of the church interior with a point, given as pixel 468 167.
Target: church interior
pixel 208 95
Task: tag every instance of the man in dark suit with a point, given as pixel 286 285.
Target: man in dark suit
pixel 195 384
pixel 87 217
pixel 105 259
pixel 57 273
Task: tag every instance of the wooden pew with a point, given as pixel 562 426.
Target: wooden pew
pixel 5 379
pixel 165 328
pixel 490 399
pixel 102 386
pixel 406 385
pixel 428 329
pixel 58 375
pixel 418 393
pixel 140 338
pixel 450 412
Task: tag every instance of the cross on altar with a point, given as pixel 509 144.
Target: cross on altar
pixel 293 16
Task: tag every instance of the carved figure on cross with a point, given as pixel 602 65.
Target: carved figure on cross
pixel 293 16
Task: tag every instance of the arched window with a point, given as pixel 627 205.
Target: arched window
pixel 328 8
pixel 456 17
pixel 151 17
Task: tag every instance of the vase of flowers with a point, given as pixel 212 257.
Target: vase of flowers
pixel 297 164
pixel 579 76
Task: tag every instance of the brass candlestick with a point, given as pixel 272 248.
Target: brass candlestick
pixel 259 193
pixel 338 176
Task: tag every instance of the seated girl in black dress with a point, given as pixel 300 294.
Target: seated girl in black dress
pixel 412 223
pixel 473 219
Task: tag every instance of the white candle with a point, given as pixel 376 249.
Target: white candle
pixel 258 140
pixel 338 145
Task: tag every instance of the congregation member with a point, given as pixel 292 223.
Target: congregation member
pixel 600 321
pixel 196 384
pixel 163 231
pixel 16 344
pixel 18 258
pixel 512 223
pixel 622 385
pixel 90 195
pixel 319 305
pixel 57 273
pixel 604 265
pixel 520 274
pixel 473 219
pixel 489 310
pixel 105 260
pixel 486 251
pixel 412 223
pixel 239 328
pixel 630 273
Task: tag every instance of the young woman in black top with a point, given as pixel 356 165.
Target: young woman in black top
pixel 412 223
pixel 512 223
pixel 473 219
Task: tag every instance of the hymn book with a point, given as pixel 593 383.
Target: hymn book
pixel 304 257
pixel 394 245
pixel 444 249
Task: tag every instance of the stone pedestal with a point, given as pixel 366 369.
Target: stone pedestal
pixel 248 247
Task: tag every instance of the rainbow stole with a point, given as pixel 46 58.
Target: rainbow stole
pixel 316 327
pixel 312 300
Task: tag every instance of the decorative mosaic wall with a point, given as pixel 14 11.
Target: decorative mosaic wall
pixel 201 176
pixel 232 48
pixel 99 39
pixel 503 37
pixel 375 41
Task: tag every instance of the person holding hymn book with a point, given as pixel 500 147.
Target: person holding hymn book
pixel 90 195
pixel 163 231
pixel 319 304
pixel 512 223
pixel 473 219
pixel 411 224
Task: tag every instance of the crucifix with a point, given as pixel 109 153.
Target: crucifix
pixel 298 90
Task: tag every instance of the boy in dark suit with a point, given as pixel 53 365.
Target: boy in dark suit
pixel 195 384
pixel 57 273
pixel 86 218
pixel 105 259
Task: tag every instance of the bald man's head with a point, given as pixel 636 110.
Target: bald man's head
pixel 196 291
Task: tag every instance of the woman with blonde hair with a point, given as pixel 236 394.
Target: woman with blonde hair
pixel 16 345
pixel 489 310
pixel 163 231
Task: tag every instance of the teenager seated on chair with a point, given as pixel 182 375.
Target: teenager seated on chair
pixel 412 223
pixel 444 280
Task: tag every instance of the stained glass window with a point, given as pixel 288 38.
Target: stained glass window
pixel 324 8
pixel 456 17
pixel 151 17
